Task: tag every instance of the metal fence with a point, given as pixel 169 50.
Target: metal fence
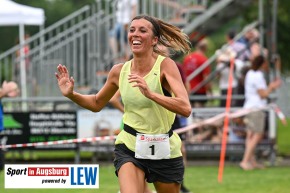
pixel 81 42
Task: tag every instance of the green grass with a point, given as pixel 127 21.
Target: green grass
pixel 38 155
pixel 270 180
pixel 199 179
pixel 283 136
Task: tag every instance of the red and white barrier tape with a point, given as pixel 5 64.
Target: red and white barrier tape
pixel 80 140
pixel 280 114
pixel 236 114
pixel 201 123
pixel 211 120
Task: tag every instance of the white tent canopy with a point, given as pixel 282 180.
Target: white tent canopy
pixel 14 14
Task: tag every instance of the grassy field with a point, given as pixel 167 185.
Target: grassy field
pixel 199 179
pixel 283 138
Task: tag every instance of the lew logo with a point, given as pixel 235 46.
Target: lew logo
pixel 52 176
pixel 84 175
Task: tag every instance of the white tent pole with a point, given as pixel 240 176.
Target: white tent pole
pixel 22 67
pixel 41 52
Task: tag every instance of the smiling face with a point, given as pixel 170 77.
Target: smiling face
pixel 141 37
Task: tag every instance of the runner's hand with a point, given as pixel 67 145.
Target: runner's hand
pixel 65 83
pixel 140 83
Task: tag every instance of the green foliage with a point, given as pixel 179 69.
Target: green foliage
pixel 6 72
pixel 283 135
pixel 283 33
pixel 283 27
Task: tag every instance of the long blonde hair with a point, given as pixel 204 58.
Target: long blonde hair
pixel 168 35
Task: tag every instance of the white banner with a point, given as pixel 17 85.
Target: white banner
pixel 51 176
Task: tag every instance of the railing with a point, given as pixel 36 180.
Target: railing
pixel 81 42
pixel 203 138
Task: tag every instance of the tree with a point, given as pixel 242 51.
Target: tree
pixel 283 33
pixel 283 27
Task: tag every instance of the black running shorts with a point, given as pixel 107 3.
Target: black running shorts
pixel 165 170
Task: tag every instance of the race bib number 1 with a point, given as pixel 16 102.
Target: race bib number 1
pixel 153 147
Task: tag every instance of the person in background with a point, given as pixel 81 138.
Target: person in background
pixel 243 54
pixel 251 41
pixel 8 89
pixel 152 93
pixel 242 62
pixel 30 79
pixel 256 93
pixel 191 63
pixel 125 11
pixel 26 50
pixel 223 67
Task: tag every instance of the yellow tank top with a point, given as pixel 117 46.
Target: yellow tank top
pixel 143 114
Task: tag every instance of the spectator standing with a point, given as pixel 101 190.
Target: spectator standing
pixel 243 54
pixel 223 67
pixel 30 77
pixel 253 49
pixel 26 51
pixel 250 40
pixel 256 93
pixel 191 63
pixel 149 113
pixel 8 89
pixel 125 11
